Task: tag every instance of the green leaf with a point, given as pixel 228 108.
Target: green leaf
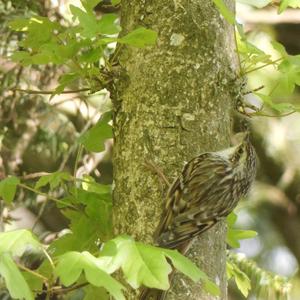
pixel 290 74
pixel 140 37
pixel 40 31
pixel 8 187
pixel 234 235
pixel 115 2
pixel 231 219
pixel 251 54
pixel 184 265
pixel 14 280
pixel 241 279
pixel 95 293
pixel 145 264
pixel 94 138
pixel 87 227
pixel 65 80
pixel 86 20
pixel 224 11
pixel 107 24
pixel 53 179
pixel 188 268
pixel 91 55
pixel 19 24
pixel 284 4
pixel 280 48
pixel 98 209
pixel 17 242
pixel 141 264
pixel 89 184
pixel 89 4
pixel 84 236
pixel 35 283
pixel 72 264
pixel 23 57
pixel 211 288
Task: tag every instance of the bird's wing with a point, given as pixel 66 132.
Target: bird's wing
pixel 195 200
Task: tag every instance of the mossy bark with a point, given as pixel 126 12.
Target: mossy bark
pixel 172 102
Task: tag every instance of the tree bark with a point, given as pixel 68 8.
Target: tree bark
pixel 172 102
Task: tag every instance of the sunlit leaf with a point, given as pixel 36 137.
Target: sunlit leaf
pixel 147 265
pixel 64 81
pixel 89 4
pixel 284 4
pixel 35 283
pixel 241 279
pixel 18 241
pixel 184 265
pixel 86 20
pixel 53 179
pixel 72 264
pixel 107 24
pixel 234 235
pixel 280 48
pixel 224 11
pixel 14 280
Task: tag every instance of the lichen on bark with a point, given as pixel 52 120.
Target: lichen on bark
pixel 172 102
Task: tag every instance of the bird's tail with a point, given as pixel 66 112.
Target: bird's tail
pixel 152 294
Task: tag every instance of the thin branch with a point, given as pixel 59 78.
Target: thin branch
pixel 156 170
pixel 60 290
pixel 274 116
pixel 254 90
pixel 51 92
pixel 32 272
pixel 49 258
pixel 265 65
pixel 47 196
pixel 34 175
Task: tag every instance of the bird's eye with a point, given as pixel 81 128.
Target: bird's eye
pixel 240 151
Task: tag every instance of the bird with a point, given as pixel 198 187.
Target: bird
pixel 207 190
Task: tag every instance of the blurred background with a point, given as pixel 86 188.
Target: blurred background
pixel 37 135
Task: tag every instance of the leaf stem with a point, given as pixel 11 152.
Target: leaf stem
pixel 31 272
pixel 265 65
pixel 49 258
pixel 47 196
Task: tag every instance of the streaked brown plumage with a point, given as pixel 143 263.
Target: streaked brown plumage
pixel 207 190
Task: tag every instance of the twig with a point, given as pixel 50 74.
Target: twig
pixel 51 92
pixel 60 290
pixel 34 175
pixel 49 258
pixel 155 169
pixel 40 213
pixel 274 116
pixel 254 90
pixel 47 196
pixel 265 65
pixel 32 272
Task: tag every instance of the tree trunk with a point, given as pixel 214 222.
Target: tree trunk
pixel 172 102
